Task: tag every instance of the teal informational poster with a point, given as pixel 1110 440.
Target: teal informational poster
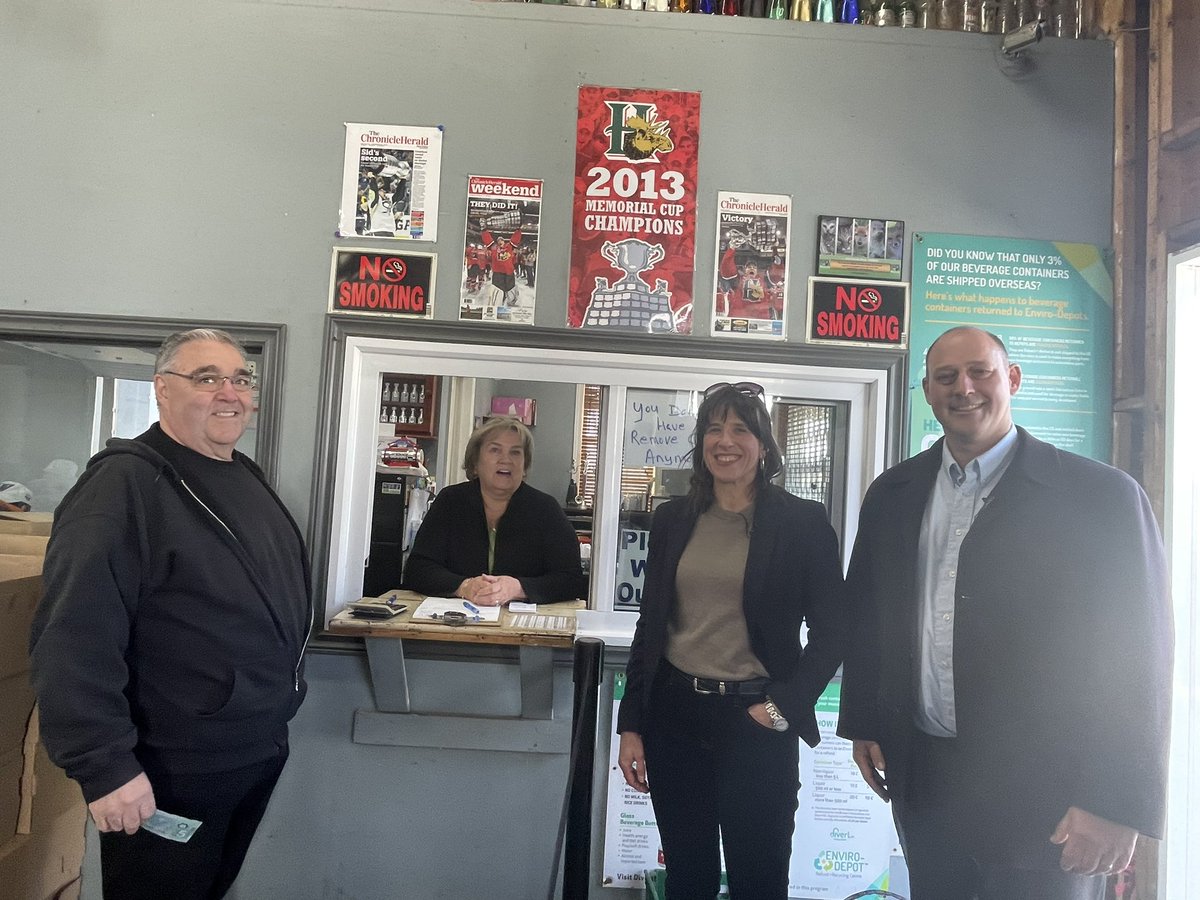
pixel 1052 305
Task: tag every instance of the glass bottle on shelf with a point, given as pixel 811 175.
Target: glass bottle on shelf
pixel 1062 22
pixel 989 16
pixel 949 15
pixel 866 13
pixel 777 9
pixel 392 416
pixel 1040 10
pixel 383 414
pixel 885 14
pixel 421 417
pixel 404 394
pixel 609 4
pixel 907 14
pixel 926 13
pixel 970 15
pixel 421 399
pixel 731 8
pixel 824 12
pixel 848 14
pixel 633 4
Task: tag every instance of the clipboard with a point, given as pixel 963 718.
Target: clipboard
pixel 433 609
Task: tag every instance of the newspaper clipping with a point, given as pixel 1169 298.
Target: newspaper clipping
pixel 750 293
pixel 500 250
pixel 390 182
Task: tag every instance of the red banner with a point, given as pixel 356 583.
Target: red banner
pixel 633 244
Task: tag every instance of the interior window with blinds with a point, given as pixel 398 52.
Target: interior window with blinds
pixel 657 431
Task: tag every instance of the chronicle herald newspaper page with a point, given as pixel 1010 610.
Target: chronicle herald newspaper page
pixel 390 180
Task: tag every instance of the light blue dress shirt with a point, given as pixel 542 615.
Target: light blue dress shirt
pixel 957 497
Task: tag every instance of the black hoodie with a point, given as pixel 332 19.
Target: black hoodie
pixel 157 642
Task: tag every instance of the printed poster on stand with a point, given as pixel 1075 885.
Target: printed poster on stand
pixel 844 840
pixel 633 241
pixel 750 292
pixel 860 247
pixel 390 181
pixel 1051 303
pixel 500 250
pixel 368 282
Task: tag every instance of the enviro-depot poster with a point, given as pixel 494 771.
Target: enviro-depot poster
pixel 1052 305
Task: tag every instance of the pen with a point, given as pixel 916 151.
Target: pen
pixel 471 606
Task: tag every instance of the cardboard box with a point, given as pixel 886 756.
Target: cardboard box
pixel 12 766
pixel 26 523
pixel 41 844
pixel 524 408
pixel 23 545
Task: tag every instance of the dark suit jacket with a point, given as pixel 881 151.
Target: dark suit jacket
pixel 534 543
pixel 793 576
pixel 1062 639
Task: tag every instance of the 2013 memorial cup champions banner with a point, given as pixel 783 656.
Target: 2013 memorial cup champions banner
pixel 633 243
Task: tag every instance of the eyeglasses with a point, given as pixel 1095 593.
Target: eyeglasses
pixel 211 382
pixel 749 388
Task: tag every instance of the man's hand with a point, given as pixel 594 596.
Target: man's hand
pixel 1092 845
pixel 126 808
pixel 869 758
pixel 632 760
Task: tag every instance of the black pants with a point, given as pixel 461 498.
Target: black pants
pixel 943 824
pixel 715 771
pixel 144 866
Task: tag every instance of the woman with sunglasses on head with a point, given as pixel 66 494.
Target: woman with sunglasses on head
pixel 719 686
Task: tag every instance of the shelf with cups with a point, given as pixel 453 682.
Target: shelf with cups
pixel 409 404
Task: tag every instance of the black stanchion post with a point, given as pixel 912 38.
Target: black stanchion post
pixel 589 662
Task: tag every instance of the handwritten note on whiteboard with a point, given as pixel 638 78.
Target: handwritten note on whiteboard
pixel 658 428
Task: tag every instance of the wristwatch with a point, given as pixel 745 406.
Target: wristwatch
pixel 778 722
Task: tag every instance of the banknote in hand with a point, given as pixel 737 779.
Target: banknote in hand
pixel 172 827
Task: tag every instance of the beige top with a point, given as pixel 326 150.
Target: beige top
pixel 706 634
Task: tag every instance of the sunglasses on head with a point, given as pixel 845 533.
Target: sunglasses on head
pixel 748 388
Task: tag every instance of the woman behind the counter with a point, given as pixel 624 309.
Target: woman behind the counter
pixel 719 686
pixel 493 538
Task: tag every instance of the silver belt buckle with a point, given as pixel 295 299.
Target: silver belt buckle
pixel 699 690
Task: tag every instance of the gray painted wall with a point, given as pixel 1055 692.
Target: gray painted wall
pixel 171 158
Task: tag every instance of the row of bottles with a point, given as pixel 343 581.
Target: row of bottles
pixel 402 415
pixel 1061 18
pixel 397 393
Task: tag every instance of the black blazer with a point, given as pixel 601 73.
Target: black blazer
pixel 1062 639
pixel 793 576
pixel 534 543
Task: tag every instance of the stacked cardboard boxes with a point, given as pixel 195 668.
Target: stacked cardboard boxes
pixel 42 813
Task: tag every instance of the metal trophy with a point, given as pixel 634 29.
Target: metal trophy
pixel 629 303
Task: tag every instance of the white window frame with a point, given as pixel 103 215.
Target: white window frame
pixel 1182 534
pixel 366 358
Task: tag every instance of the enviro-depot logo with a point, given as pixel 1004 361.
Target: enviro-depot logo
pixel 839 862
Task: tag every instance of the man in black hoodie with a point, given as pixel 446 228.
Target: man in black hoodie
pixel 166 652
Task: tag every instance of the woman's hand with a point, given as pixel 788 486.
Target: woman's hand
pixel 491 590
pixel 758 712
pixel 496 590
pixel 632 760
